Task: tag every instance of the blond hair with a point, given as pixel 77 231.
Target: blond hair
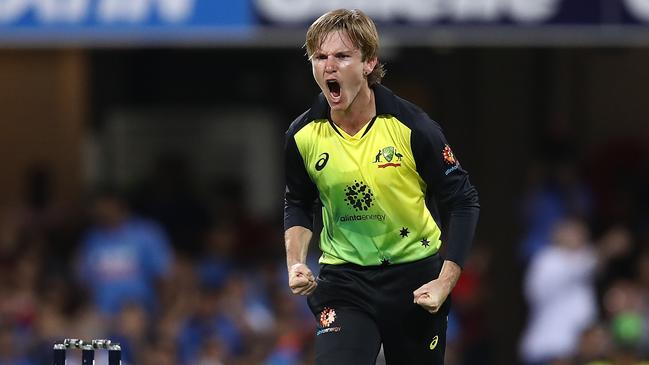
pixel 359 28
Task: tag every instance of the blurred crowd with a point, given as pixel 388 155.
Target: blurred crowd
pixel 585 254
pixel 174 278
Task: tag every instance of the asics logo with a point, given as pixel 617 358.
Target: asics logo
pixel 433 343
pixel 322 162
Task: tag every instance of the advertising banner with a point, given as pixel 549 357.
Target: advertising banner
pixel 282 22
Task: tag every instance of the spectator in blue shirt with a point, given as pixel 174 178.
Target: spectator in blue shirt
pixel 122 257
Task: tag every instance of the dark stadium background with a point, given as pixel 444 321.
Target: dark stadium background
pixel 556 113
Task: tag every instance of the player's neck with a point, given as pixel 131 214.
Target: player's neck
pixel 360 112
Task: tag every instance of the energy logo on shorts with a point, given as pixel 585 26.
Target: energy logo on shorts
pixel 327 318
pixel 359 196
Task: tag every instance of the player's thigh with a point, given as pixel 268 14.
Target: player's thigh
pixel 346 336
pixel 419 338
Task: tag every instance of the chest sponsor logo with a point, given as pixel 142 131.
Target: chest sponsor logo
pixel 385 157
pixel 322 162
pixel 360 197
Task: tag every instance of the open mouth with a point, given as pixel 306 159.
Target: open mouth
pixel 334 88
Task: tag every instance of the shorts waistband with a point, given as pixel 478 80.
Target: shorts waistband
pixel 431 258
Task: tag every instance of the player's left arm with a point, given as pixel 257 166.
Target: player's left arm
pixel 431 296
pixel 440 169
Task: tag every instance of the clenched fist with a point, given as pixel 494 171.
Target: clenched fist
pixel 431 295
pixel 301 280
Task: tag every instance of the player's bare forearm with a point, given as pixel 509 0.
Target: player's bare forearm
pixel 450 274
pixel 432 295
pixel 296 240
pixel 300 278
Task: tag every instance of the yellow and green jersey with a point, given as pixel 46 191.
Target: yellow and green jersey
pixel 377 188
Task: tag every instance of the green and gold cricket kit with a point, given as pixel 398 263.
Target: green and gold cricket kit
pixel 382 193
pixel 374 186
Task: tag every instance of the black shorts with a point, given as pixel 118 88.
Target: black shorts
pixel 359 308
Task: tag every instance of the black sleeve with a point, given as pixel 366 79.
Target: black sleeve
pixel 301 193
pixel 449 185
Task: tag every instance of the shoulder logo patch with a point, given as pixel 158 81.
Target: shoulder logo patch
pixel 448 155
pixel 322 162
pixel 450 159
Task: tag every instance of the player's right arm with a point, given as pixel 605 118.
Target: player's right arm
pixel 300 277
pixel 300 196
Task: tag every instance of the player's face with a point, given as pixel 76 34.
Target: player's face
pixel 339 70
